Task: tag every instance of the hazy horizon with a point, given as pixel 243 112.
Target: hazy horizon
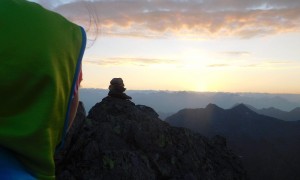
pixel 228 92
pixel 169 102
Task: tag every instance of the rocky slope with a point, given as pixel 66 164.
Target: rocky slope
pixel 269 147
pixel 121 140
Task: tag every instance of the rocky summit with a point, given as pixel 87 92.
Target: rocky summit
pixel 121 140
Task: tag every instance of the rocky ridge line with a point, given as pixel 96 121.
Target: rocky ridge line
pixel 121 140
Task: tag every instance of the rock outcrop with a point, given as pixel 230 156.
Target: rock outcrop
pixel 121 140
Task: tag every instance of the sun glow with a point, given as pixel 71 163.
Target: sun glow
pixel 201 87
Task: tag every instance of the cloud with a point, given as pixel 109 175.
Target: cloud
pixel 155 18
pixel 218 65
pixel 282 64
pixel 265 64
pixel 236 53
pixel 121 61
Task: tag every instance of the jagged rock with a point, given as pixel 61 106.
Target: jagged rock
pixel 121 140
pixel 72 138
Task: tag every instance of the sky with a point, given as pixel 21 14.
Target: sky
pixel 189 45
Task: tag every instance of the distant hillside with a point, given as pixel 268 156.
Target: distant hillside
pixel 269 147
pixel 169 102
pixel 293 115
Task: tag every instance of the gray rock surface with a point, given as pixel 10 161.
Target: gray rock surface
pixel 121 140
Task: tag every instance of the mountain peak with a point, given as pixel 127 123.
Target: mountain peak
pixel 211 106
pixel 241 106
pixel 242 109
pixel 121 139
pixel 296 110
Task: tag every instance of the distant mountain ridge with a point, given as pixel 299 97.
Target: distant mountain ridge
pixel 265 143
pixel 293 115
pixel 215 119
pixel 169 102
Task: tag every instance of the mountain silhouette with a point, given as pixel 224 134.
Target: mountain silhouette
pixel 269 147
pixel 167 103
pixel 293 115
pixel 121 140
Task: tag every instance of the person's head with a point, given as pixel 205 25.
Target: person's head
pixel 40 60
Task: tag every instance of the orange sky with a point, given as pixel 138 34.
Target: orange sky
pixel 207 45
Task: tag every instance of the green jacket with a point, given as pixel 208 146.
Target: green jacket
pixel 40 56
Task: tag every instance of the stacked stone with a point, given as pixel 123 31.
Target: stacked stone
pixel 116 89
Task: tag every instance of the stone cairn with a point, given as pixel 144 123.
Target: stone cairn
pixel 116 89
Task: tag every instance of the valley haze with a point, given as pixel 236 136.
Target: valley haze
pixel 167 103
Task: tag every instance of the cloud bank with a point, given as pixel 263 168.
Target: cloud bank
pixel 159 18
pixel 121 61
